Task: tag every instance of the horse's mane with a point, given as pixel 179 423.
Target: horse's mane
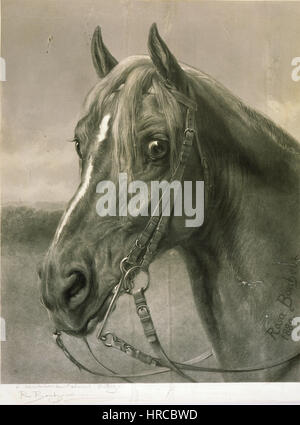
pixel 230 102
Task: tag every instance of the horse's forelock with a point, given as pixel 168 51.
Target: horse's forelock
pixel 121 94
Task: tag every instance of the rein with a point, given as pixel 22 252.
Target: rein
pixel 135 281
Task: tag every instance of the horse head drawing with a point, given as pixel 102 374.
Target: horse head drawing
pixel 156 119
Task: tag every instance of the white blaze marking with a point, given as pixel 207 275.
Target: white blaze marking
pixel 80 193
pixel 103 128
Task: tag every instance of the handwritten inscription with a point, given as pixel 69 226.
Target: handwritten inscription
pixel 285 297
pixel 283 325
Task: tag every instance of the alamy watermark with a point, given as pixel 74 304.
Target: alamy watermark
pixel 295 335
pixel 134 199
pixel 296 70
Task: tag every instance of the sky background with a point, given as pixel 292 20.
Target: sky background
pixel 248 46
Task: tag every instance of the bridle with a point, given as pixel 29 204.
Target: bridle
pixel 135 281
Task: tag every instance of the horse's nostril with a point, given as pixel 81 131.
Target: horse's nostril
pixel 77 290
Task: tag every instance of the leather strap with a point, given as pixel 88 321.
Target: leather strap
pixel 147 242
pixel 157 371
pixel 144 315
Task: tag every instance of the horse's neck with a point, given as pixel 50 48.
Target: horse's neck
pixel 243 264
pixel 253 174
pixel 259 197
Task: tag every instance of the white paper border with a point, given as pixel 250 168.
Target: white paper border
pixel 134 394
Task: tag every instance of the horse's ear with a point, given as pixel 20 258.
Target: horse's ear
pixel 102 59
pixel 165 63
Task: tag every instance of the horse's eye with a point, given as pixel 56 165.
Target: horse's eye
pixel 77 147
pixel 157 149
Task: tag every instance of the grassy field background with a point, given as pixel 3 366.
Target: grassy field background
pixel 29 354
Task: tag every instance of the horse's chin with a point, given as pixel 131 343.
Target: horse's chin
pixel 93 321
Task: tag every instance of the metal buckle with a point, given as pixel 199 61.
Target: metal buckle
pixel 139 280
pixel 123 264
pixel 143 310
pixel 138 244
pixel 107 339
pixel 189 130
pixel 128 278
pixel 131 276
